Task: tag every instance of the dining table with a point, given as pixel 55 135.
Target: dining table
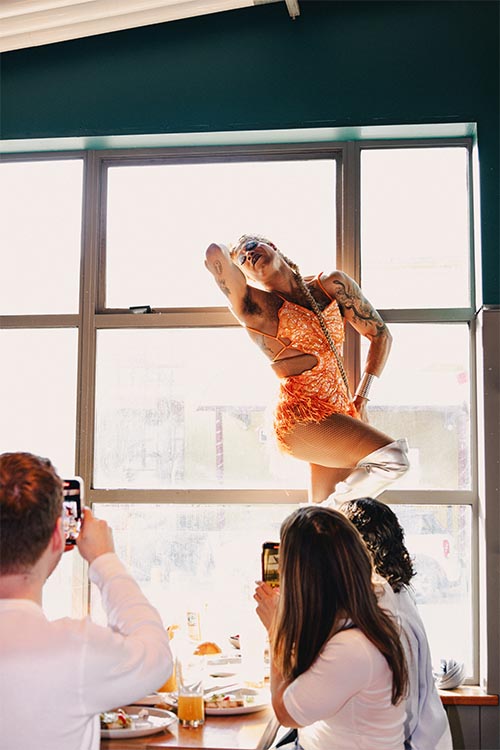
pixel 251 731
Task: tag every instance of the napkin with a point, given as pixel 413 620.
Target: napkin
pixel 450 674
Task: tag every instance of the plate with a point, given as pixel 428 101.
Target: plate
pixel 157 721
pixel 260 700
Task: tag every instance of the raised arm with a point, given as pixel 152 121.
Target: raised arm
pixel 365 319
pixel 228 276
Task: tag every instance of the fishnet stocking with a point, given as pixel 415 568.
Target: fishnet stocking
pixel 339 441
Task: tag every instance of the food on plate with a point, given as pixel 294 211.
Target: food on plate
pixel 227 700
pixel 234 640
pixel 171 630
pixel 207 647
pixel 118 719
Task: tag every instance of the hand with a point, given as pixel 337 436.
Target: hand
pixel 267 603
pixel 95 537
pixel 361 405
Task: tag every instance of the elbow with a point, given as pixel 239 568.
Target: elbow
pixel 387 339
pixel 282 714
pixel 212 253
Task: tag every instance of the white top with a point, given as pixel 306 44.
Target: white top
pixel 343 701
pixel 56 677
pixel 426 724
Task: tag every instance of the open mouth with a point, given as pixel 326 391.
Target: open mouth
pixel 255 258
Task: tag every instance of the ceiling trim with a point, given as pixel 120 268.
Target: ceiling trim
pixel 31 23
pixel 242 137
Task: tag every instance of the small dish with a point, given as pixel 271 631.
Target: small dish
pixel 157 721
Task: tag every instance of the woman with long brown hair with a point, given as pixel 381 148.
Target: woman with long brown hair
pixel 338 669
pixel 299 324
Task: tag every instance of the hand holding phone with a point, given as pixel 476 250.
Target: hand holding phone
pixel 72 508
pixel 270 563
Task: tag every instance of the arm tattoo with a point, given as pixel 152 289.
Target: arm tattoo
pixel 363 311
pixel 222 285
pixel 218 267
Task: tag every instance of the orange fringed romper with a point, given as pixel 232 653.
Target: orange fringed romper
pixel 317 393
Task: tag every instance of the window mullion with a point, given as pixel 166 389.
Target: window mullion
pixel 88 302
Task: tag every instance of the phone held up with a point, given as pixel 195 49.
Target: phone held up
pixel 270 563
pixel 72 508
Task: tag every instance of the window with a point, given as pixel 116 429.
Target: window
pixel 168 414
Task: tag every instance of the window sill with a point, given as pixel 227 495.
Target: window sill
pixel 467 695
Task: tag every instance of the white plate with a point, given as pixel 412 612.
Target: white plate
pixel 261 699
pixel 156 722
pixel 248 709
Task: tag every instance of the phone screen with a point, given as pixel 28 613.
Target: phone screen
pixel 270 563
pixel 72 508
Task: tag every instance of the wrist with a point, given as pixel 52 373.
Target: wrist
pixel 365 385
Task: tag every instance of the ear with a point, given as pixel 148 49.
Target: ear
pixel 57 542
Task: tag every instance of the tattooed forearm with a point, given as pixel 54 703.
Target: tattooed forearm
pixel 218 267
pixel 351 298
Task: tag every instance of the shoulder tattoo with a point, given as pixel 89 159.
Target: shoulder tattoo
pixel 351 298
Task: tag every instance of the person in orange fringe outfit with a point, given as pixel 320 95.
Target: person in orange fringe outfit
pixel 299 325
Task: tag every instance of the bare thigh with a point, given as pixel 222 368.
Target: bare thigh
pixel 332 448
pixel 337 442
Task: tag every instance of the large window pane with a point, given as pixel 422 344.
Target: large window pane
pixel 40 236
pixel 64 594
pixel 161 218
pixel 193 557
pixel 439 541
pixel 415 250
pixel 186 408
pixel 424 395
pixel 38 394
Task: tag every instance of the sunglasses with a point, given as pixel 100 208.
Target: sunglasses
pixel 242 255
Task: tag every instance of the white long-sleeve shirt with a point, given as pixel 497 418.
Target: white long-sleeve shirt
pixel 56 677
pixel 426 726
pixel 343 701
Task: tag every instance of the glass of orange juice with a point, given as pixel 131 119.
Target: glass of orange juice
pixel 190 703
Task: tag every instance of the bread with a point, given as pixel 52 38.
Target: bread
pixel 207 647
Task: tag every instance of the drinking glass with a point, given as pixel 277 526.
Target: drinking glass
pixel 190 704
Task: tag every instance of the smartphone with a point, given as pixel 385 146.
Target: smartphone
pixel 72 510
pixel 270 563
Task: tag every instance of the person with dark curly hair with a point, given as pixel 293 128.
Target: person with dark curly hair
pixel 426 725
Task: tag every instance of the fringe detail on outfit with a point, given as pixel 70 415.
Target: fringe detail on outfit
pixel 297 406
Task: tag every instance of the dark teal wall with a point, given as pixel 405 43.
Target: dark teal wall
pixel 339 63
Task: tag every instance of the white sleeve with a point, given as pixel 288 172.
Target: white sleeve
pixel 343 668
pixel 131 657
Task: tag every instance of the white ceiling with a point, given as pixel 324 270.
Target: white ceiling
pixel 30 23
